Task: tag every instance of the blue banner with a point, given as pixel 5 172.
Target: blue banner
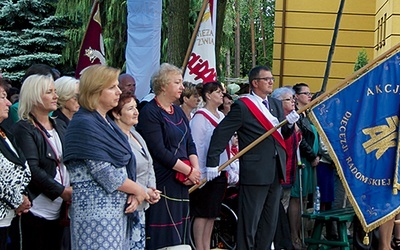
pixel 359 123
pixel 144 42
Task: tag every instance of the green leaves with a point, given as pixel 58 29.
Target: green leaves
pixel 29 33
pixel 362 60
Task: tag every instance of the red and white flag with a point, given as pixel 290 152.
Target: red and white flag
pixel 201 66
pixel 92 48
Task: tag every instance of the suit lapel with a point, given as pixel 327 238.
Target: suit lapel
pixel 8 153
pixel 272 107
pixel 140 148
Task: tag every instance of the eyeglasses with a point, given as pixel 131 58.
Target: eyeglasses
pixel 304 93
pixel 235 135
pixel 288 100
pixel 266 78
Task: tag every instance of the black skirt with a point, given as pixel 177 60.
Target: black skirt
pixel 206 202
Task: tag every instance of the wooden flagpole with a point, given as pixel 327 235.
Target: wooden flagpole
pixel 332 47
pixel 322 97
pixel 88 22
pixel 194 35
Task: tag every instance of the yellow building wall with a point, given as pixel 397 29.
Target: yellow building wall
pixel 389 12
pixel 303 34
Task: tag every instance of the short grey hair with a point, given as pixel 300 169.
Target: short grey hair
pixel 65 87
pixel 279 92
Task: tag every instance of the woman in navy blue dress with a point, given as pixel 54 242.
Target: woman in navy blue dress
pixel 166 131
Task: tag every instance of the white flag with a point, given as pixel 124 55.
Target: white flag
pixel 201 66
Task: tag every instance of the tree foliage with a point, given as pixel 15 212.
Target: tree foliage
pixel 263 15
pixel 34 31
pixel 113 19
pixel 267 11
pixel 77 13
pixel 115 31
pixel 362 60
pixel 29 33
pixel 178 22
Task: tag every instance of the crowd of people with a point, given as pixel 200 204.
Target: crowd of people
pixel 82 168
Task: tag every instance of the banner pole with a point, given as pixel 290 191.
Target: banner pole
pixel 332 47
pixel 88 22
pixel 194 35
pixel 241 152
pixel 80 65
pixel 345 82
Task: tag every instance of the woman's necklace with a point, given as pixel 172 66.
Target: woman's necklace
pixel 171 111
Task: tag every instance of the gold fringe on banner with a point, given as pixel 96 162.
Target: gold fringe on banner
pixel 346 82
pixel 366 239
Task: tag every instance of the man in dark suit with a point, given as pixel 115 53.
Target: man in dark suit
pixel 262 167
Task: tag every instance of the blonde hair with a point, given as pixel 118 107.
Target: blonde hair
pixel 161 78
pixel 93 81
pixel 31 93
pixel 66 87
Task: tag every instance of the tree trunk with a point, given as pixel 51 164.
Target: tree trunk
pixel 178 29
pixel 228 63
pixel 237 40
pixel 253 40
pixel 221 11
pixel 263 34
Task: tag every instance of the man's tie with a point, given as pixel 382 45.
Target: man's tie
pixel 265 102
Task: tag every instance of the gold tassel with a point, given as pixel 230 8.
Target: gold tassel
pixel 366 239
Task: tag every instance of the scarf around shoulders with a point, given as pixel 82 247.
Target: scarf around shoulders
pixel 90 137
